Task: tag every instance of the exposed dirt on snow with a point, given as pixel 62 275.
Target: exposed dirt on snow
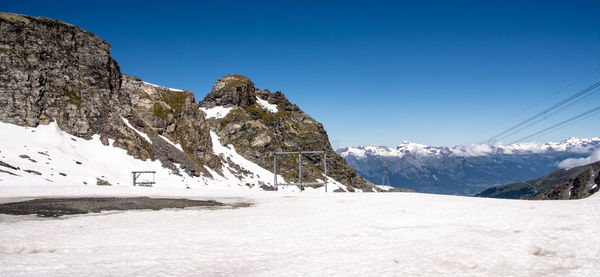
pixel 55 207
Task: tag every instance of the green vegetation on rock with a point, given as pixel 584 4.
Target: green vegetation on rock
pixel 235 80
pixel 159 110
pixel 267 117
pixel 14 18
pixel 73 98
pixel 175 100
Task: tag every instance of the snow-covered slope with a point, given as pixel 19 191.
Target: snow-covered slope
pixel 272 108
pixel 173 89
pixel 308 234
pixel 48 156
pixel 216 112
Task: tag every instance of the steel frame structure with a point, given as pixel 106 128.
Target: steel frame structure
pixel 301 184
pixel 136 174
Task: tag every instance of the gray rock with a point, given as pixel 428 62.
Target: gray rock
pixel 256 132
pixel 54 71
pixel 231 90
pixel 101 182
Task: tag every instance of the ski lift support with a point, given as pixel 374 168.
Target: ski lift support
pixel 300 183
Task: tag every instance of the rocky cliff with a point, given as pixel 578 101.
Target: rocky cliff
pixel 51 71
pixel 55 71
pixel 259 122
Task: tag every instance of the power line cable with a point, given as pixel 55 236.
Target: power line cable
pixel 567 125
pixel 545 99
pixel 576 102
pixel 559 124
pixel 547 110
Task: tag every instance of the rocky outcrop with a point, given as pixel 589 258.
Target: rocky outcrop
pixel 231 90
pixel 174 115
pixel 573 183
pixel 581 185
pixel 53 71
pixel 256 131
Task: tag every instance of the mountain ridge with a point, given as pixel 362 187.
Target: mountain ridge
pixel 564 184
pixel 57 75
pixel 464 169
pixel 572 144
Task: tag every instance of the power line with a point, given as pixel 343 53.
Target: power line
pixel 545 99
pixel 547 110
pixel 559 124
pixel 576 102
pixel 567 125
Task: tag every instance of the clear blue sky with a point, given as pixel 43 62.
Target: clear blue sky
pixel 373 72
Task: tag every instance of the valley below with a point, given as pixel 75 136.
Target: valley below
pixel 466 169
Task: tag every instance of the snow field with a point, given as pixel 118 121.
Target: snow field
pixel 176 145
pixel 308 234
pixel 216 112
pixel 61 159
pixel 221 112
pixel 272 108
pixel 146 137
pixel 283 233
pixel 157 86
pixel 57 158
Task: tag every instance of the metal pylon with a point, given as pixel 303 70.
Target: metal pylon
pixel 386 178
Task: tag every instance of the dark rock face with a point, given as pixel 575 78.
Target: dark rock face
pixel 50 70
pixel 53 71
pixel 574 183
pixel 580 185
pixel 175 116
pixel 231 90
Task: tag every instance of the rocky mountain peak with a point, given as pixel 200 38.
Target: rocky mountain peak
pixel 231 90
pixel 23 22
pixel 55 73
pixel 232 81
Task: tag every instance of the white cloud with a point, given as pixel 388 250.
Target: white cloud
pixel 472 150
pixel 573 162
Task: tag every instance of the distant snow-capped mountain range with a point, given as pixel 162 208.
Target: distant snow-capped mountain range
pixel 467 169
pixel 578 145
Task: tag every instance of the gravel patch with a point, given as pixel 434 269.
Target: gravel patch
pixel 55 207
